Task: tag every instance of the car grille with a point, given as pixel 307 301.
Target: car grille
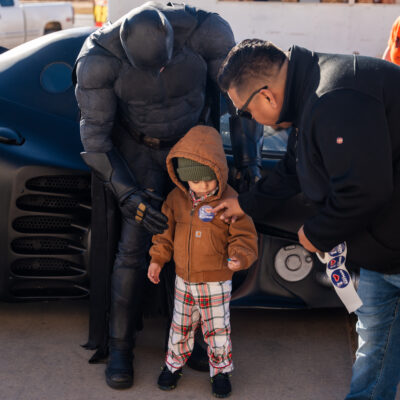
pixel 44 223
pixel 48 203
pixel 50 237
pixel 45 245
pixel 45 290
pixel 59 184
pixel 46 268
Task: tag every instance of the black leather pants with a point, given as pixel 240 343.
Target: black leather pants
pixel 131 262
pixel 128 281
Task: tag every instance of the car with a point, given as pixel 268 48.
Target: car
pixel 45 213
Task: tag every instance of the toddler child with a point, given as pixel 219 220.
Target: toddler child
pixel 206 252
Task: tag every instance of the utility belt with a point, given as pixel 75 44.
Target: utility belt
pixel 152 142
pixel 148 141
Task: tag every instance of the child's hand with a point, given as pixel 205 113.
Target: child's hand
pixel 234 264
pixel 154 273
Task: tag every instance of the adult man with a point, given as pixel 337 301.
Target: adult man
pixel 345 157
pixel 141 85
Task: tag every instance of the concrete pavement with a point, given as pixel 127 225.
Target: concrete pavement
pixel 278 355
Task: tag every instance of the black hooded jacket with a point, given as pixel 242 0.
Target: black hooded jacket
pixel 112 93
pixel 344 155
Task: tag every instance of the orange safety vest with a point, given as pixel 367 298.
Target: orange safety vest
pixel 100 11
pixel 394 42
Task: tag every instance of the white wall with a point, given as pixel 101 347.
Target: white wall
pixel 326 27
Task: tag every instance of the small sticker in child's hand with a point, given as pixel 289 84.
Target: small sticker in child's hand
pixel 206 213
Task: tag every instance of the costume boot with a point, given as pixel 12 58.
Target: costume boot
pixel 198 360
pixel 125 318
pixel 119 371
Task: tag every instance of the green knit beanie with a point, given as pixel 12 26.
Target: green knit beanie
pixel 190 170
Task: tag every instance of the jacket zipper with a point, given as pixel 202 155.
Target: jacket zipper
pixel 190 234
pixel 189 241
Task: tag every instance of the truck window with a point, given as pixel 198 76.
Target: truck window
pixel 6 3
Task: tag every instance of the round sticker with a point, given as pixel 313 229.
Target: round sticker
pixel 206 214
pixel 336 262
pixel 340 278
pixel 339 249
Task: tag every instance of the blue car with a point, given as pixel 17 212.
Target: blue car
pixel 45 202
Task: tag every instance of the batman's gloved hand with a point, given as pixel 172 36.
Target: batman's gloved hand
pixel 137 205
pixel 247 138
pixel 246 177
pixel 134 202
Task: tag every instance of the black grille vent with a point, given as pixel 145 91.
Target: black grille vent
pixel 46 267
pixel 45 245
pixel 60 184
pixel 43 224
pixel 48 203
pixel 34 289
pixel 49 235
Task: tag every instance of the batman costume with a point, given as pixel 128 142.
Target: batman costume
pixel 141 84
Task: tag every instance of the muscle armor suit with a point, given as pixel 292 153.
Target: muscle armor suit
pixel 141 85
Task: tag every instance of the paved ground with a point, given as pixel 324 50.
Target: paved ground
pixel 279 355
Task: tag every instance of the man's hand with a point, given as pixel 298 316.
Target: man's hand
pixel 137 206
pixel 232 210
pixel 247 177
pixel 154 273
pixel 234 264
pixel 305 242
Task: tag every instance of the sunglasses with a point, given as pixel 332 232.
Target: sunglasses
pixel 241 112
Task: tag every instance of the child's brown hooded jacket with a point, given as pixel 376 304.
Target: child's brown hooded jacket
pixel 201 249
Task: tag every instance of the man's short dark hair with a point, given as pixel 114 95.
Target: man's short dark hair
pixel 249 60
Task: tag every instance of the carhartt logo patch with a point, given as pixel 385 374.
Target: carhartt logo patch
pixel 197 234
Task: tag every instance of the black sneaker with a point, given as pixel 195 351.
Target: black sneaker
pixel 168 380
pixel 221 385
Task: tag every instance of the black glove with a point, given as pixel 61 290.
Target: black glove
pixel 246 177
pixel 112 169
pixel 137 205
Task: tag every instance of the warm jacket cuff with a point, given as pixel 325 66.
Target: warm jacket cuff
pixel 158 261
pixel 245 258
pixel 316 241
pixel 247 202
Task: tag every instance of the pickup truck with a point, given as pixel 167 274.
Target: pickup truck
pixel 22 22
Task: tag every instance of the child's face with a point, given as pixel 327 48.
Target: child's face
pixel 202 188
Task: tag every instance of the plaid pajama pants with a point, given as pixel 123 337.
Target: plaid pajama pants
pixel 206 303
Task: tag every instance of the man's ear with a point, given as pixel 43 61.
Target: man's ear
pixel 270 97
